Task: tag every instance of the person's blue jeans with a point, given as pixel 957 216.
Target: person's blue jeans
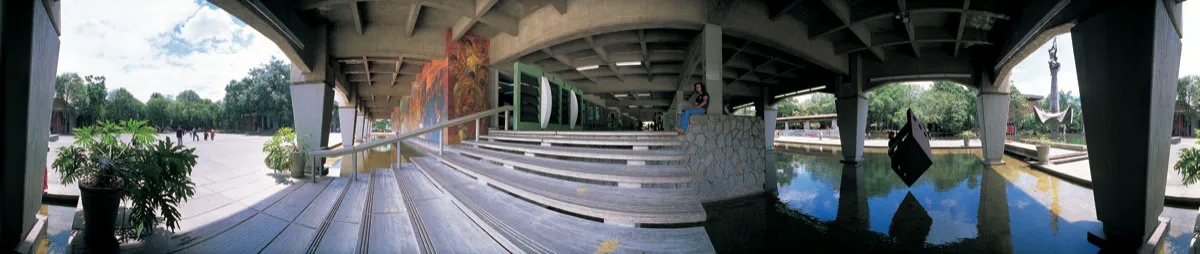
pixel 687 114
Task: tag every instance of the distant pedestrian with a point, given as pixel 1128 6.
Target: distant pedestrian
pixel 194 136
pixel 213 133
pixel 205 135
pixel 179 134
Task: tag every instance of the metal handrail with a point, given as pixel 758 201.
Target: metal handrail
pixel 346 150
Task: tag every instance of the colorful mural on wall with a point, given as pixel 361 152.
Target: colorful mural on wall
pixel 427 105
pixel 468 74
pixel 449 89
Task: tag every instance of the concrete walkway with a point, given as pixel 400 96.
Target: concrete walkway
pixel 1080 172
pixel 874 143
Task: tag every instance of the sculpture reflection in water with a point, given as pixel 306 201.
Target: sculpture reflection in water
pixel 909 149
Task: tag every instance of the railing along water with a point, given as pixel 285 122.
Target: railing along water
pixel 314 156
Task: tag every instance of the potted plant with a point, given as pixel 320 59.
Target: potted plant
pixel 154 175
pixel 967 136
pixel 285 151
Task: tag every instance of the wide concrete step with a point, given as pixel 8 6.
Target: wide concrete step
pixel 587 153
pixel 615 205
pixel 388 226
pixel 590 141
pixel 627 175
pixel 526 227
pixel 589 133
pixel 443 220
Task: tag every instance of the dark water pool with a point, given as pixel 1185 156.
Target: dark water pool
pixel 958 206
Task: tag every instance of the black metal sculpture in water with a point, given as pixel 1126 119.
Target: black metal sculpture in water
pixel 909 150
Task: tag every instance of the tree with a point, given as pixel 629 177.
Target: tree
pixel 122 106
pixel 156 110
pixel 886 105
pixel 91 99
pixel 188 96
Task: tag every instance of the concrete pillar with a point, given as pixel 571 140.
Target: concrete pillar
pixel 315 98
pixel 1127 57
pixel 853 210
pixel 992 113
pixel 714 59
pixel 346 120
pixel 852 111
pixel 493 96
pixel 360 131
pixel 785 126
pixel 806 125
pixel 769 115
pixel 29 53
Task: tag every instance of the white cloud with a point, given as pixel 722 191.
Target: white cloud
pixel 1032 75
pixel 164 46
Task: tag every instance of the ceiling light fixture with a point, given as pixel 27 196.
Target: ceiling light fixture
pixel 643 94
pixel 629 63
pixel 589 67
pixel 620 95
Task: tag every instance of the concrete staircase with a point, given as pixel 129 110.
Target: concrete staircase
pixel 620 178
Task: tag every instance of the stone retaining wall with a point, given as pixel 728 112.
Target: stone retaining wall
pixel 726 154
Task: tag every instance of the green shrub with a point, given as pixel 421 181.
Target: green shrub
pixel 154 175
pixel 1189 163
pixel 280 147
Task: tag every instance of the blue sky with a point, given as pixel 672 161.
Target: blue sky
pixel 169 46
pixel 164 46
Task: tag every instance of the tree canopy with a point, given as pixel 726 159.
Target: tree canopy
pixel 261 100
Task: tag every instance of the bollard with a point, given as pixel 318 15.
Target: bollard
pixel 477 130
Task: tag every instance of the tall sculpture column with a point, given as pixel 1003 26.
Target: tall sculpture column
pixel 312 100
pixel 1053 97
pixel 852 111
pixel 992 112
pixel 1127 56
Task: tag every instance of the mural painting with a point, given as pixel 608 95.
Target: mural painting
pixel 427 106
pixel 468 74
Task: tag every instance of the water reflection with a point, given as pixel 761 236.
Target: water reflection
pixel 958 205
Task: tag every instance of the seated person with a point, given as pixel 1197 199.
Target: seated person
pixel 700 107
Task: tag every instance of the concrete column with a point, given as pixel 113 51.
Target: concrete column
pixel 315 99
pixel 993 118
pixel 29 53
pixel 493 96
pixel 992 113
pixel 360 131
pixel 346 120
pixel 769 114
pixel 852 111
pixel 1127 57
pixel 714 59
pixel 785 126
pixel 806 125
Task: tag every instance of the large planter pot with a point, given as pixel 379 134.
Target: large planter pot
pixel 100 214
pixel 1043 153
pixel 297 165
pixel 966 142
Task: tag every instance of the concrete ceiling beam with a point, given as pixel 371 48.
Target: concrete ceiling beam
pixel 779 8
pixel 263 20
pixel 962 25
pixel 356 15
pixel 645 52
pixel 559 5
pixel 410 24
pixel 908 28
pixel 466 8
pixel 603 55
pixel 396 71
pixel 389 42
pixel 841 10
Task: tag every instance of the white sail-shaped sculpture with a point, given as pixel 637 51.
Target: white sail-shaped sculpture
pixel 574 109
pixel 547 98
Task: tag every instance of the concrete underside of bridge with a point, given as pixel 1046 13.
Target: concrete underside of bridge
pixel 639 57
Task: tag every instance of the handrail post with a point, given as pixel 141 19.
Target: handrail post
pixel 477 130
pixel 441 144
pixel 506 120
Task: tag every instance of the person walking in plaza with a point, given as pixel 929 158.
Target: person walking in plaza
pixel 205 134
pixel 179 134
pixel 194 136
pixel 699 107
pixel 212 133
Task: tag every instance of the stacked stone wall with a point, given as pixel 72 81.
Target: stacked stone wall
pixel 726 155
